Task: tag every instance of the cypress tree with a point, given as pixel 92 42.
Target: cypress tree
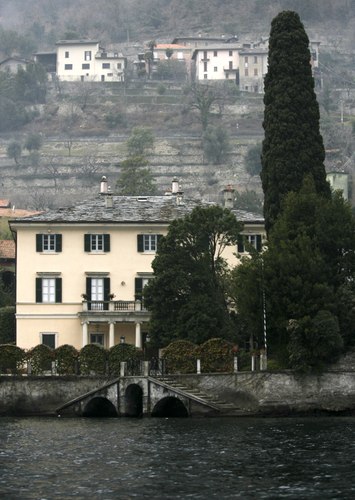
pixel 293 145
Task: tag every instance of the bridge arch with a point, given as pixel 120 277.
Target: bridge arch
pixel 170 406
pixel 99 407
pixel 133 401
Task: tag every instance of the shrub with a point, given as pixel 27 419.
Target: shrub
pixel 93 359
pixel 66 358
pixel 7 325
pixel 180 357
pixel 12 358
pixel 122 352
pixel 40 357
pixel 215 355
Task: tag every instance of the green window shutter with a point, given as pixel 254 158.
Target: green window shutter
pixel 106 242
pixel 58 290
pixel 106 292
pixel 87 240
pixel 58 242
pixel 39 290
pixel 258 242
pixel 240 243
pixel 138 288
pixel 88 288
pixel 140 243
pixel 39 243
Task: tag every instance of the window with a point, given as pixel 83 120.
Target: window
pixel 66 54
pixel 68 66
pixel 215 69
pixel 97 243
pixel 205 66
pixel 249 239
pixel 205 54
pixel 255 71
pixel 205 77
pixel 255 59
pixel 215 53
pixel 231 52
pixel 139 284
pixel 48 243
pixel 97 338
pixel 48 290
pixel 98 291
pixel 49 339
pixel 246 72
pixel 106 65
pixel 109 74
pixel 148 242
pixel 230 64
pixel 85 66
pixel 119 65
pixel 87 55
pixel 246 59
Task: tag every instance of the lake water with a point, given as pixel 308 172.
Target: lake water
pixel 224 458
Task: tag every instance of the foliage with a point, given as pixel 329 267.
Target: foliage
pixel 253 160
pixel 12 115
pixel 93 360
pixel 216 356
pixel 293 145
pixel 5 231
pixel 66 357
pixel 7 325
pixel 13 151
pixel 12 358
pixel 180 357
pixel 187 298
pixel 135 178
pixel 33 142
pixel 119 353
pixel 140 141
pixel 31 84
pixel 40 358
pixel 314 341
pixel 307 276
pixel 216 144
pixel 172 69
pixel 249 200
pixel 113 120
pixel 202 97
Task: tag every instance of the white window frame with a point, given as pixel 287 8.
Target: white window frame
pixel 150 243
pixel 87 55
pixel 96 242
pixel 48 290
pixel 49 243
pixel 55 334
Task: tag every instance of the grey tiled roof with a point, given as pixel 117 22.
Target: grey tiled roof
pixel 128 209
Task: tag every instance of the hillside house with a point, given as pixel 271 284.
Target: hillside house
pixel 216 62
pixel 252 69
pixel 86 60
pixel 81 270
pixel 13 64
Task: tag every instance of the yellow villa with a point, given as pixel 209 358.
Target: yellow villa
pixel 80 271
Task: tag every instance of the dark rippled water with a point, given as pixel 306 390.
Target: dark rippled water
pixel 42 458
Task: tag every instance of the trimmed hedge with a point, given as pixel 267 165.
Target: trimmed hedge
pixel 180 357
pixel 40 358
pixel 216 355
pixel 93 360
pixel 122 352
pixel 12 359
pixel 66 357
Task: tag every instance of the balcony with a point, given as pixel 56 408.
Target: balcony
pixel 114 310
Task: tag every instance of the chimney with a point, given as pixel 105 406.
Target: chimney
pixel 228 197
pixel 103 185
pixel 174 186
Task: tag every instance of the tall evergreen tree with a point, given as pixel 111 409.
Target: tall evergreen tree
pixel 293 145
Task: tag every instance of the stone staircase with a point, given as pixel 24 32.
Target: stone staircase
pixel 195 394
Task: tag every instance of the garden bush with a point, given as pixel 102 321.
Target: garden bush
pixel 180 357
pixel 40 358
pixel 122 352
pixel 93 359
pixel 7 325
pixel 66 357
pixel 12 358
pixel 216 355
